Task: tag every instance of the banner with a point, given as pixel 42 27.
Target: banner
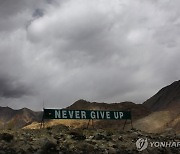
pixel 85 114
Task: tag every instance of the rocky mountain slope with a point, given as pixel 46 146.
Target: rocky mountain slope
pixel 11 119
pixel 167 98
pixel 159 121
pixel 138 110
pixel 165 107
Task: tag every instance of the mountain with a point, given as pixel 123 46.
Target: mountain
pixel 138 110
pixel 11 119
pixel 165 107
pixel 165 99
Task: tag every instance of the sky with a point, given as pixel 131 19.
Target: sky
pixel 59 51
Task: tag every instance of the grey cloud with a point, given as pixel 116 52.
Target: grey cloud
pixel 107 51
pixel 15 14
pixel 10 88
pixel 38 13
pixel 11 7
pixel 128 38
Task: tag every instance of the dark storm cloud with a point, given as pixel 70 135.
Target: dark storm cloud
pixel 15 14
pixel 38 13
pixel 10 88
pixel 98 50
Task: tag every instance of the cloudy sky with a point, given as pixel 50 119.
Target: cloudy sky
pixel 60 51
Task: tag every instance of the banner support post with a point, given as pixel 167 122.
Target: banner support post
pixel 124 124
pixel 126 121
pixel 131 124
pixel 91 123
pixel 42 121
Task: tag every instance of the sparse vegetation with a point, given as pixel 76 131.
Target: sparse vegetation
pixel 62 139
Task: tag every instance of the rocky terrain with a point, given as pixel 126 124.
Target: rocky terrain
pixel 165 110
pixel 13 119
pixel 66 140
